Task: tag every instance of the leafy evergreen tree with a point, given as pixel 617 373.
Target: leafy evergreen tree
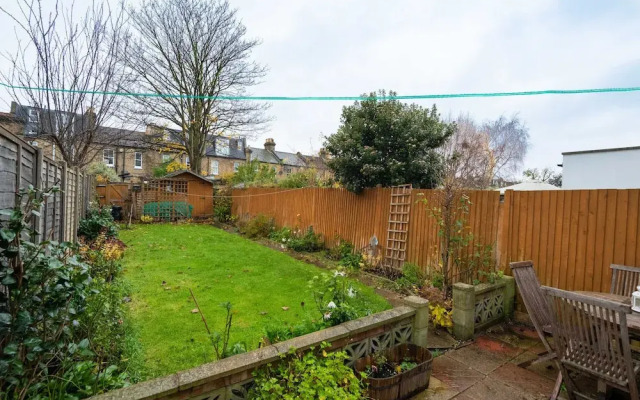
pixel 383 141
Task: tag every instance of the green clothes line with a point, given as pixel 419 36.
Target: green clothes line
pixel 335 98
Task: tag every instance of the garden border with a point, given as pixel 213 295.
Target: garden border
pixel 231 378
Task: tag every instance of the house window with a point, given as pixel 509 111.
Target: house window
pixel 239 143
pixel 236 165
pixel 166 158
pixel 137 162
pixel 33 115
pixel 108 157
pixel 186 161
pixel 214 167
pixel 32 132
pixel 222 146
pixel 287 170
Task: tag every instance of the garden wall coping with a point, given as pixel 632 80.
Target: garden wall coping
pixel 217 375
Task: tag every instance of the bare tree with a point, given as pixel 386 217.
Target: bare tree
pixel 469 161
pixel 509 142
pixel 193 55
pixel 67 67
pixel 547 175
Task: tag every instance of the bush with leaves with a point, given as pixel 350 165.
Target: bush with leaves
pixel 254 173
pixel 308 376
pixel 301 179
pixel 412 277
pixel 45 349
pixel 103 172
pixel 222 206
pixel 281 331
pixel 336 298
pixel 296 240
pixel 98 220
pixel 260 226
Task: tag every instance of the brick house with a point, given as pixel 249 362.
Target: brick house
pixel 135 154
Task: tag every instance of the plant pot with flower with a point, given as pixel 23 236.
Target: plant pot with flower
pixel 396 373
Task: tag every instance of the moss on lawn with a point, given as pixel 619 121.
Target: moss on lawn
pixel 218 267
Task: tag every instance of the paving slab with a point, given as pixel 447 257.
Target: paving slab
pixel 547 369
pixel 437 390
pixel 523 380
pixel 439 339
pixel 486 354
pixel 490 389
pixel 454 374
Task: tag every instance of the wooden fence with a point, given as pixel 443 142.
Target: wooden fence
pixel 22 165
pixel 572 236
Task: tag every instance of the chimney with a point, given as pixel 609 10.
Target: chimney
pixel 323 153
pixel 270 145
pixel 14 108
pixel 247 154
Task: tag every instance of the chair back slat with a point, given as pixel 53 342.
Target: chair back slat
pixel 591 335
pixel 529 286
pixel 624 279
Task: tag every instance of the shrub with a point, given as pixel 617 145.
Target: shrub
pixel 302 179
pixel 53 345
pixel 412 276
pixel 222 207
pixel 335 297
pixel 98 220
pixel 307 376
pixel 261 226
pixel 295 240
pixel 254 173
pixel 146 219
pixel 437 280
pixel 341 250
pixel 103 172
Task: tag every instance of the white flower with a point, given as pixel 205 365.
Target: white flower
pixel 351 292
pixel 331 305
pixel 283 246
pixel 284 240
pixel 339 273
pixel 327 315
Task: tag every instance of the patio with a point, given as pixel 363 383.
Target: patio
pixel 488 369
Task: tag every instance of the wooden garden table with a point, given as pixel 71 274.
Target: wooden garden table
pixel 633 319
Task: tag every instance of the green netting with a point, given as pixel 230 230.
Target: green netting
pixel 168 209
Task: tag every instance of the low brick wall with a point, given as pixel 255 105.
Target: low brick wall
pixel 476 307
pixel 231 378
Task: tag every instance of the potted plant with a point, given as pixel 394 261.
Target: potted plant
pixel 396 373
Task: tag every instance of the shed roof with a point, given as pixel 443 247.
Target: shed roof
pixel 186 171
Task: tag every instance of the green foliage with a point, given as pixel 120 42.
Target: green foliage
pixel 254 173
pixel 302 179
pixel 335 298
pixel 437 280
pixel 308 376
pixel 261 226
pixel 279 331
pixel 346 253
pixel 387 142
pixel 295 240
pixel 161 170
pixel 168 209
pixel 97 221
pixel 222 206
pixel 103 172
pixel 493 276
pixel 49 349
pixel 412 277
pixel 220 340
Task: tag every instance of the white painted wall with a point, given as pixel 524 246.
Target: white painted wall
pixel 618 169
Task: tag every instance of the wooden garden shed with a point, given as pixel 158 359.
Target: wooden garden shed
pixel 199 192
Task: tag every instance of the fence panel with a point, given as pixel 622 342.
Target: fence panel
pixel 22 165
pixel 572 236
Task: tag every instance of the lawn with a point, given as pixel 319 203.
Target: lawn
pixel 163 261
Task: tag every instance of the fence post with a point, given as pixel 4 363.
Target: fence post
pixel 421 319
pixel 18 174
pixel 63 203
pixel 464 311
pixel 37 220
pixel 76 203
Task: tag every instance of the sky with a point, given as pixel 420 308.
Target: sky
pixel 347 48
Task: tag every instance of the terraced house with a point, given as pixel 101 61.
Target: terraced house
pixel 136 154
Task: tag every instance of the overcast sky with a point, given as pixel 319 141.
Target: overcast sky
pixel 344 48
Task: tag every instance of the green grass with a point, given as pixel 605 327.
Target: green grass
pixel 218 267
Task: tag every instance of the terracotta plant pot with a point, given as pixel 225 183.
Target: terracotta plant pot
pixel 404 384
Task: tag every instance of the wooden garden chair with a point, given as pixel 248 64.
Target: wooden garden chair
pixel 538 309
pixel 591 336
pixel 624 280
